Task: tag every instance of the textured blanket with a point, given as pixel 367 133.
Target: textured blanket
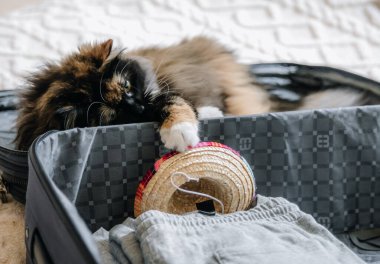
pixel 275 231
pixel 339 33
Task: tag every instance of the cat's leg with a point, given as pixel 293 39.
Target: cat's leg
pixel 179 124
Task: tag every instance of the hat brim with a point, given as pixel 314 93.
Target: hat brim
pixel 221 171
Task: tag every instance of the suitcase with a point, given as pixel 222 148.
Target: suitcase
pixel 325 161
pixel 13 164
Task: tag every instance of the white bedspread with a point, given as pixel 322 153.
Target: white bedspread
pixel 341 33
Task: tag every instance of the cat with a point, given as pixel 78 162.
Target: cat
pixel 174 86
pixel 102 85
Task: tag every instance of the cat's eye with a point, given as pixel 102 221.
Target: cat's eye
pixel 127 85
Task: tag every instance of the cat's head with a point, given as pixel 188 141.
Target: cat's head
pixel 94 86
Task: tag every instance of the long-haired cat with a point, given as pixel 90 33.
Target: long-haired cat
pixel 99 85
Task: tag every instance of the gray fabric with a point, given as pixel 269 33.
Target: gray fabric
pixel 118 254
pixel 325 161
pixel 275 231
pixel 102 241
pixel 124 239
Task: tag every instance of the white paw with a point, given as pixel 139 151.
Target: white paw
pixel 180 136
pixel 209 112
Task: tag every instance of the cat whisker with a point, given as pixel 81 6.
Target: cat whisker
pixel 167 87
pixel 88 109
pixel 152 89
pixel 170 77
pixel 154 76
pixel 100 88
pixel 117 56
pixel 101 118
pixel 65 125
pixel 122 70
pixel 69 121
pixel 101 79
pixel 162 78
pixel 166 93
pixel 117 64
pixel 174 76
pixel 167 82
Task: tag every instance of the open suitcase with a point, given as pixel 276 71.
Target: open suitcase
pixel 326 161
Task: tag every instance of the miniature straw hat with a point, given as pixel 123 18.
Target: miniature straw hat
pixel 221 172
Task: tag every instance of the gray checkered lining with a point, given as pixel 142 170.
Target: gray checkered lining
pixel 326 161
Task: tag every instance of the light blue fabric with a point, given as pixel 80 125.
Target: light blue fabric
pixel 275 231
pixel 124 242
pixel 102 240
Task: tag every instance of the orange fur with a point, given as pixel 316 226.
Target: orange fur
pixel 204 72
pixel 114 92
pixel 179 112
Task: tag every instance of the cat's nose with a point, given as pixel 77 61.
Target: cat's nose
pixel 130 102
pixel 128 99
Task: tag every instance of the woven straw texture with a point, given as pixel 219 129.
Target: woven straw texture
pixel 221 171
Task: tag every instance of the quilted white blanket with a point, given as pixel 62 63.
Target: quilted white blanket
pixel 340 33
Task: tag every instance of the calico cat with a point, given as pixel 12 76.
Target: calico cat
pixel 102 85
pixel 99 85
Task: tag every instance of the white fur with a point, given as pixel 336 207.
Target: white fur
pixel 151 86
pixel 332 98
pixel 180 136
pixel 209 112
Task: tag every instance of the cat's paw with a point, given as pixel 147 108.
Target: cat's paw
pixel 180 136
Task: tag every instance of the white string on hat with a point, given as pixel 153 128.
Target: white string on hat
pixel 178 173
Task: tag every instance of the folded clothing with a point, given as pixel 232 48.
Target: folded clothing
pixel 274 231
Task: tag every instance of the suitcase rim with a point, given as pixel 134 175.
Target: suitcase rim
pixel 47 185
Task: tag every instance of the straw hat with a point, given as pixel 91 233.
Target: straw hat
pixel 221 173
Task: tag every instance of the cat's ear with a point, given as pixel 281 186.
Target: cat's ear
pixel 106 48
pixel 100 51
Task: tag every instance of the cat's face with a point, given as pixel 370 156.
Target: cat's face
pixel 94 86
